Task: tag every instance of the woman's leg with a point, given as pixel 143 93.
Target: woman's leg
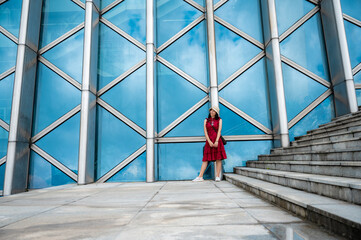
pixel 218 167
pixel 203 168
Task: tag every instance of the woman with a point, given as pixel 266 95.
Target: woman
pixel 214 148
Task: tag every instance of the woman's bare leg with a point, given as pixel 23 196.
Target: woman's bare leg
pixel 203 168
pixel 218 167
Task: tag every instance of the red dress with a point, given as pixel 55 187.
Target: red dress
pixel 212 153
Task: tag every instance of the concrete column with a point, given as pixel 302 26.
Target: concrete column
pixel 338 57
pixel 88 94
pixel 150 91
pixel 275 77
pixel 18 153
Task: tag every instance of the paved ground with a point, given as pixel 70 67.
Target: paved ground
pixel 161 210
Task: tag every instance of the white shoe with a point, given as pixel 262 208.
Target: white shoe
pixel 198 179
pixel 218 179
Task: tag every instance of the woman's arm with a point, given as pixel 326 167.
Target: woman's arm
pixel 219 132
pixel 206 133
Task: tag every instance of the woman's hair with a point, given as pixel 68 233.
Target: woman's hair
pixel 216 117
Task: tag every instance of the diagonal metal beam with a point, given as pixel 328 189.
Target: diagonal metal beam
pixel 299 23
pixel 195 5
pixel 56 124
pixel 122 33
pixel 61 38
pixel 79 3
pixel 352 20
pixel 239 32
pixel 244 68
pixel 313 1
pixel 309 108
pixel 54 162
pixel 60 72
pixel 2 161
pixel 2 1
pixel 183 74
pixel 219 4
pixel 180 33
pixel 121 117
pixel 122 164
pixel 355 70
pixel 121 78
pixel 110 6
pixel 9 35
pixel 245 116
pixel 7 73
pixel 4 125
pixel 185 115
pixel 305 71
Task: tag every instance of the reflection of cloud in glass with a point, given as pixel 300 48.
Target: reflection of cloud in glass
pixel 352 8
pixel 3 142
pixel 135 171
pixel 353 34
pixel 6 95
pixel 10 16
pixel 8 51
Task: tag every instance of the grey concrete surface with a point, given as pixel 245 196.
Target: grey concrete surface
pixel 161 210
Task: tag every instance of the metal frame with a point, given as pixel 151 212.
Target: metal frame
pixel 203 139
pixel 4 125
pixel 9 35
pixel 2 160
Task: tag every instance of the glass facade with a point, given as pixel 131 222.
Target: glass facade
pixel 181 88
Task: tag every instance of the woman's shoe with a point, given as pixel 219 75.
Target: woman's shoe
pixel 218 179
pixel 198 179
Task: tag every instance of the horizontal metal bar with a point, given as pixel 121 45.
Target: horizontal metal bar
pixel 56 124
pixel 121 77
pixel 54 162
pixel 219 4
pixel 352 20
pixel 2 161
pixel 244 68
pixel 183 74
pixel 121 117
pixel 180 33
pixel 355 70
pixel 9 35
pixel 121 165
pixel 4 125
pixel 203 139
pixel 123 34
pixel 61 38
pixel 79 3
pixel 60 72
pixel 245 116
pixel 309 108
pixel 299 23
pixel 7 73
pixel 305 71
pixel 110 6
pixel 181 118
pixel 196 5
pixel 357 86
pixel 239 32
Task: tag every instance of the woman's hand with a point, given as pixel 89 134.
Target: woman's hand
pixel 215 144
pixel 210 144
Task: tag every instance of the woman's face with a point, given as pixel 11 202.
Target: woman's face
pixel 213 113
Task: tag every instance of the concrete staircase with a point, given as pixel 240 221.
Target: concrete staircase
pixel 318 177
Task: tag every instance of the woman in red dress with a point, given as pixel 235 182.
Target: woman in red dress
pixel 214 148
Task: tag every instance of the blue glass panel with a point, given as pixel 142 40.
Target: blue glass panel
pixel 10 16
pixel 133 172
pixel 309 53
pixel 232 124
pixel 357 78
pixel 116 55
pixel 323 113
pixel 128 97
pixel 63 143
pixel 8 50
pixel 180 161
pixel 3 142
pixel 129 16
pixel 59 17
pixel 358 95
pixel 300 90
pixel 243 14
pixel 175 96
pixel 352 8
pixel 6 93
pixel 116 141
pixel 42 174
pixel 233 52
pixel 2 176
pixel 189 53
pixel 192 126
pixel 173 16
pixel 53 98
pixel 249 91
pixel 238 153
pixel 105 3
pixel 288 12
pixel 353 34
pixel 68 55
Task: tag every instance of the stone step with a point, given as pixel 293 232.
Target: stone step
pixel 330 155
pixel 312 139
pixel 346 116
pixel 323 146
pixel 337 128
pixel 338 216
pixel 331 168
pixel 343 119
pixel 341 188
